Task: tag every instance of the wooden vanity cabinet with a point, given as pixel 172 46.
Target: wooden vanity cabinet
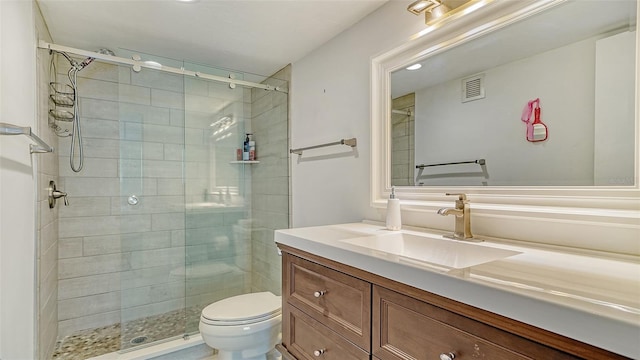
pixel 324 311
pixel 334 311
pixel 407 328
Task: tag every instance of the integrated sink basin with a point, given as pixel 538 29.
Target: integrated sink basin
pixel 434 250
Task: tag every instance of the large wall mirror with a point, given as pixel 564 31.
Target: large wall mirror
pixel 459 116
pixel 538 96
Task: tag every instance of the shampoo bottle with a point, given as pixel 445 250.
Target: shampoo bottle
pixel 393 212
pixel 252 150
pixel 245 148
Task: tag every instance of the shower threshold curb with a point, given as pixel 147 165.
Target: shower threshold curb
pixel 154 350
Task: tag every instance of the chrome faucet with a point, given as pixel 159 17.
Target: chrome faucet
pixel 462 212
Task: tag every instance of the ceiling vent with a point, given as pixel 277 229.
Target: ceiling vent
pixel 473 88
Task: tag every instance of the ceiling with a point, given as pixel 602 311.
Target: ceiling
pixel 561 25
pixel 254 36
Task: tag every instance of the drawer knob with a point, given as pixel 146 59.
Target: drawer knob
pixel 447 356
pixel 318 352
pixel 319 293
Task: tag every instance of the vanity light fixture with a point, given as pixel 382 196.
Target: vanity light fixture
pixel 414 66
pixel 423 5
pixel 436 11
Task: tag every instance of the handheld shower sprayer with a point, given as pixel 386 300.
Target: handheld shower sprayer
pixel 84 63
pixel 76 135
pixel 89 60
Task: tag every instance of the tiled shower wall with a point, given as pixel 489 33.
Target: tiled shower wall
pixel 402 141
pixel 133 130
pixel 270 180
pixel 47 222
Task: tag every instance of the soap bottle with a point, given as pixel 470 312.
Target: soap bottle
pixel 393 212
pixel 245 148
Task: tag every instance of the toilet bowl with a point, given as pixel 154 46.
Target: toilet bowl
pixel 243 327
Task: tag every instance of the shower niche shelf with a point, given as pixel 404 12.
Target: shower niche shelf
pixel 245 162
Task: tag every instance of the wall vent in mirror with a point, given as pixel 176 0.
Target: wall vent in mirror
pixel 473 88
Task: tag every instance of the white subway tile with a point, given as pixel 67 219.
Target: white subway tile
pixel 171 221
pixel 134 94
pixel 92 167
pixel 97 89
pixel 173 257
pixel 86 206
pixel 67 327
pixel 103 225
pixel 99 109
pixel 144 114
pixel 153 294
pixel 170 186
pixel 88 285
pixel 138 186
pixel 163 134
pixel 167 99
pixel 158 80
pixel 162 169
pixel 91 265
pixel 89 187
pixel 148 276
pixel 138 312
pixel 69 247
pixel 88 305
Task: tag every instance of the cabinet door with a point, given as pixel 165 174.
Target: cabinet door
pixel 407 328
pixel 309 339
pixel 340 301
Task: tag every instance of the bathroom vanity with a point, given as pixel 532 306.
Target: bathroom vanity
pixel 364 301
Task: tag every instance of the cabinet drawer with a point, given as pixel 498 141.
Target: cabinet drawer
pixel 306 336
pixel 406 328
pixel 339 301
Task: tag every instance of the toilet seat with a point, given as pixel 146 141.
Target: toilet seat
pixel 242 309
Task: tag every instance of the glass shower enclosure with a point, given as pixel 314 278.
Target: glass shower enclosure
pixel 167 219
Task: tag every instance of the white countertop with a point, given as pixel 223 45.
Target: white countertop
pixel 588 296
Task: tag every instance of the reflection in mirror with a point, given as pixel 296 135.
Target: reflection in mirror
pixel 476 101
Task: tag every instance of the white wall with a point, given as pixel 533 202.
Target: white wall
pixel 17 208
pixel 491 128
pixel 614 63
pixel 330 101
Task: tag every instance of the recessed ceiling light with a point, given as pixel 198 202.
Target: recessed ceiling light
pixel 187 1
pixel 414 67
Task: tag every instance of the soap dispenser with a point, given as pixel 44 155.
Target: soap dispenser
pixel 393 212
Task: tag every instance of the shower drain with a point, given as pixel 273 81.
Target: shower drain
pixel 138 340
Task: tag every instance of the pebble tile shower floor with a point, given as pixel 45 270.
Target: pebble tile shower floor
pixel 94 342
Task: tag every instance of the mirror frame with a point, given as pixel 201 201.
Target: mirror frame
pixel 619 204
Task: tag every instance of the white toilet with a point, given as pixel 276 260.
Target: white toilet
pixel 243 327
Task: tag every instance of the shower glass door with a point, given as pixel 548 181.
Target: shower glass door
pixel 217 191
pixel 152 169
pixel 196 223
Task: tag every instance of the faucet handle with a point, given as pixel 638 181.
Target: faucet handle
pixel 461 197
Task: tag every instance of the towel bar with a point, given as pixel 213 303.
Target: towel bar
pixel 349 142
pixel 10 129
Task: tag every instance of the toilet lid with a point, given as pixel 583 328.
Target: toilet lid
pixel 243 308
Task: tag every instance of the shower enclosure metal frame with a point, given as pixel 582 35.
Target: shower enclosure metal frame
pixel 138 64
